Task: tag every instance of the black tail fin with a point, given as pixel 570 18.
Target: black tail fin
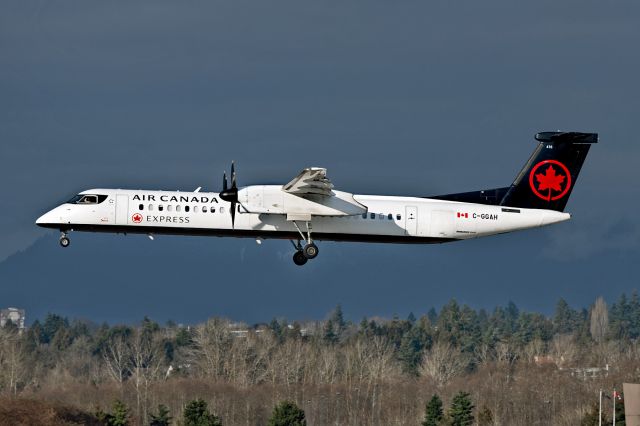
pixel 546 180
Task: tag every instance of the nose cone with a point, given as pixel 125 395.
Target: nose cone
pixel 42 220
pixel 50 219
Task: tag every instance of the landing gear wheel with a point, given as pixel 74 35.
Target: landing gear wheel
pixel 64 242
pixel 310 251
pixel 299 258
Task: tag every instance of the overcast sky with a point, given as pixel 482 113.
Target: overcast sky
pixel 407 98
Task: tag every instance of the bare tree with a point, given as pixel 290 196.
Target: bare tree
pixel 599 320
pixel 533 351
pixel 145 366
pixel 212 342
pixel 12 360
pixel 564 349
pixel 117 358
pixel 443 362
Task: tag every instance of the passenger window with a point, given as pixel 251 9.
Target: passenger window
pixel 398 216
pixel 178 208
pixel 213 209
pixel 150 207
pixel 390 216
pixel 186 209
pixel 372 215
pixel 160 208
pixel 380 216
pixel 169 208
pixel 364 215
pixel 140 207
pixel 195 209
pixel 221 209
pixel 204 209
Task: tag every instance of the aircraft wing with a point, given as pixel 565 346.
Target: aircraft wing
pixel 310 181
pixel 308 194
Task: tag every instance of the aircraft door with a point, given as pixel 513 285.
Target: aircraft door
pixel 411 220
pixel 122 209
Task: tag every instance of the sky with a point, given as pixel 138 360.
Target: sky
pixel 399 98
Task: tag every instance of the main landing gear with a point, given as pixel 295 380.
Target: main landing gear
pixel 309 251
pixel 64 240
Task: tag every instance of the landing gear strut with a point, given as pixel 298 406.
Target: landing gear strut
pixel 64 240
pixel 309 251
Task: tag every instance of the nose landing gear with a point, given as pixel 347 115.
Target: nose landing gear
pixel 64 240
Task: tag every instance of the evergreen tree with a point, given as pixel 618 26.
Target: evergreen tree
pixel 433 412
pixel 620 419
pixel 149 327
pixel 499 326
pixel 52 324
pixel 35 333
pixel 162 418
pixel 364 325
pixel 461 410
pixel 196 413
pixel 565 320
pixel 432 315
pixel 411 347
pixel 411 318
pixel 183 337
pixel 619 318
pixel 633 315
pixel 119 415
pixel 533 326
pixel 512 314
pixel 287 413
pixel 329 334
pixel 449 323
pixel 276 328
pixel 338 321
pixel 469 333
pixel 395 330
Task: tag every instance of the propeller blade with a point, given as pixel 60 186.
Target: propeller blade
pixel 233 176
pixel 230 195
pixel 233 214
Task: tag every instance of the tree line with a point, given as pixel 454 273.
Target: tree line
pixel 506 366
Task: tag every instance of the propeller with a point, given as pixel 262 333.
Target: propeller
pixel 230 194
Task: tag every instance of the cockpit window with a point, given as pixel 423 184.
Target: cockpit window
pixel 87 199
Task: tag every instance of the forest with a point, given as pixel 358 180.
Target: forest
pixel 452 366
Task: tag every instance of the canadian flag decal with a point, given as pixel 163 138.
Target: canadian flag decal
pixel 465 215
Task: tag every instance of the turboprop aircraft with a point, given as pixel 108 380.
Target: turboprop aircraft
pixel 309 209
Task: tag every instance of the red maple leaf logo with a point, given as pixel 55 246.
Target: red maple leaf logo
pixel 137 218
pixel 549 181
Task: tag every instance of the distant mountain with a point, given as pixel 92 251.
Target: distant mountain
pixel 119 278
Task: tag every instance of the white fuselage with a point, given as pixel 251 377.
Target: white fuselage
pixel 387 218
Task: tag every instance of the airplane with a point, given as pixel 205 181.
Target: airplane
pixel 309 209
